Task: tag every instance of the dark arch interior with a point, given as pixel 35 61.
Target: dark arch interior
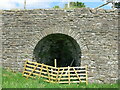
pixel 58 46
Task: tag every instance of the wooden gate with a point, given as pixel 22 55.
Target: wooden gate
pixel 56 74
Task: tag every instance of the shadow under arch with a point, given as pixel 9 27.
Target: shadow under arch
pixel 58 46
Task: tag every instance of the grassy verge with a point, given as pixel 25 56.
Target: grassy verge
pixel 15 80
pixel 0 77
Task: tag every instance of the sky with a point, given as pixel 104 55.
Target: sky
pixel 45 4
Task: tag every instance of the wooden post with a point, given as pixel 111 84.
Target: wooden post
pixel 48 73
pixel 60 75
pixel 77 74
pixel 24 67
pixel 69 75
pixel 55 62
pixel 86 75
pixel 41 70
pixel 57 76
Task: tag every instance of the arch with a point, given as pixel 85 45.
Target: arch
pixel 57 46
pixel 53 30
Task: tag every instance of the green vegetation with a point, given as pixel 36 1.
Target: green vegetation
pixel 0 77
pixel 75 5
pixel 15 80
pixel 56 7
pixel 72 5
pixel 117 5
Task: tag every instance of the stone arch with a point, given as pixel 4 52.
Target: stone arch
pixel 63 30
pixel 55 30
pixel 58 46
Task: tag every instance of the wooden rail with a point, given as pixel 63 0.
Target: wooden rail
pixel 56 74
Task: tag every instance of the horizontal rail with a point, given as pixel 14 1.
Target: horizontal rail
pixel 28 68
pixel 71 74
pixel 73 78
pixel 72 67
pixel 76 71
pixel 70 82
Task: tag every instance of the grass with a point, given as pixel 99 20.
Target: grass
pixel 0 78
pixel 15 80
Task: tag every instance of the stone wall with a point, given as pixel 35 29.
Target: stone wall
pixel 0 38
pixel 95 31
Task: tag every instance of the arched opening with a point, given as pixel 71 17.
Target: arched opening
pixel 58 46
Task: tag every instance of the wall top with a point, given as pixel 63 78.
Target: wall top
pixel 79 10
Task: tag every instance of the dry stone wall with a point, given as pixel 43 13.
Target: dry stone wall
pixel 96 32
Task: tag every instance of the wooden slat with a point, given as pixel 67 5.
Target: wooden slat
pixel 83 81
pixel 72 74
pixel 44 72
pixel 69 74
pixel 44 69
pixel 44 76
pixel 82 77
pixel 82 74
pixel 24 67
pixel 55 67
pixel 76 70
pixel 35 74
pixel 30 65
pixel 74 67
pixel 48 70
pixel 50 81
pixel 53 78
pixel 41 68
pixel 47 80
pixel 37 71
pixel 25 75
pixel 27 72
pixel 54 71
pixel 32 71
pixel 60 75
pixel 32 62
pixel 70 82
pixel 86 75
pixel 55 62
pixel 50 66
pixel 53 74
pixel 63 75
pixel 73 78
pixel 57 75
pixel 79 67
pixel 28 68
pixel 48 73
pixel 77 75
pixel 48 77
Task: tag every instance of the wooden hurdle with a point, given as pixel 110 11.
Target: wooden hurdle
pixel 56 74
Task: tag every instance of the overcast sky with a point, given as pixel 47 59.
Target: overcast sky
pixel 38 4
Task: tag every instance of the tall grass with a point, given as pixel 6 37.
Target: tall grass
pixel 15 80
